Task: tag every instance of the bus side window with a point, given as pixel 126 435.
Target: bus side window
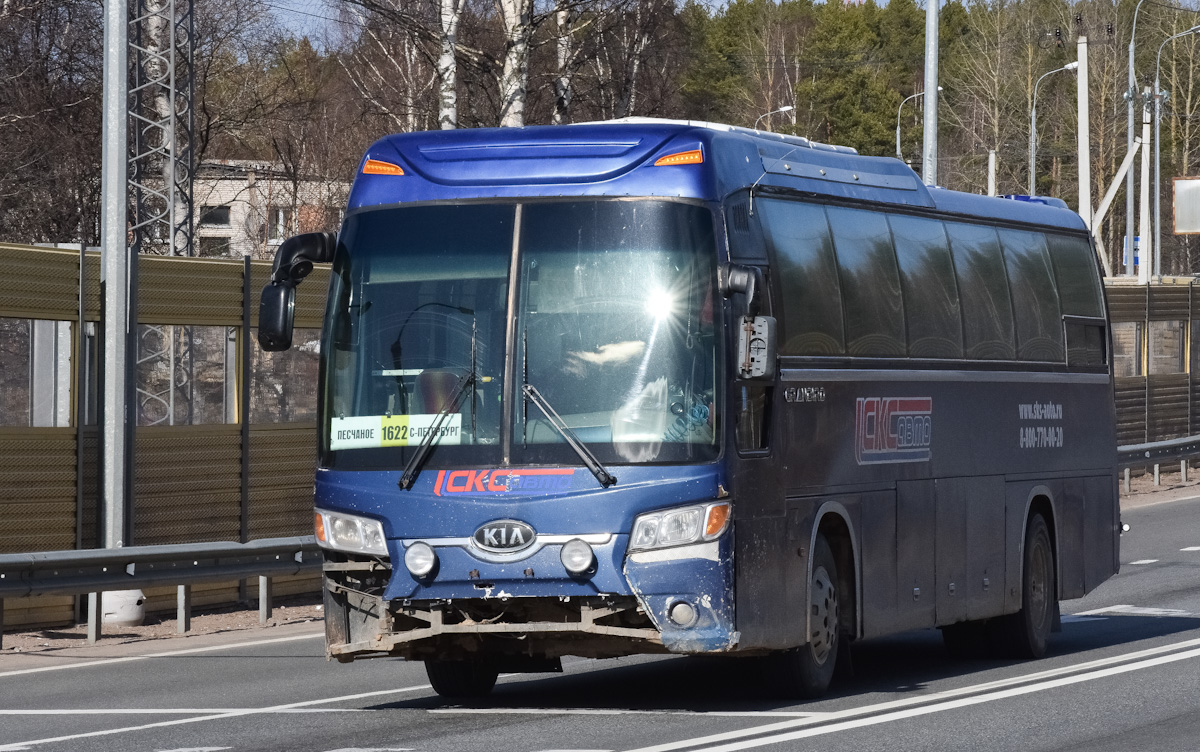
pixel 802 256
pixel 870 283
pixel 753 417
pixel 1035 299
pixel 931 304
pixel 1078 281
pixel 983 285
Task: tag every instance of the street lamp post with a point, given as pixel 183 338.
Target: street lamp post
pixel 785 108
pixel 1033 124
pixel 899 153
pixel 1130 96
pixel 1158 100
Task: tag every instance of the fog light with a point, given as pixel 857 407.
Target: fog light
pixel 577 557
pixel 682 614
pixel 420 559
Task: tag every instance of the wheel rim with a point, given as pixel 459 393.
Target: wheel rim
pixel 824 615
pixel 1039 582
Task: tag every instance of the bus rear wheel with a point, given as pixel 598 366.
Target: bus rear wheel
pixel 1025 633
pixel 470 678
pixel 808 669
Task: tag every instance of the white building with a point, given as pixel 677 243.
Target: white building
pixel 249 207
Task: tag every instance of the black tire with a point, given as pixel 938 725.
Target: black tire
pixel 806 671
pixel 1026 633
pixel 460 679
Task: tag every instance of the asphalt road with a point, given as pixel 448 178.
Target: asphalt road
pixel 1123 674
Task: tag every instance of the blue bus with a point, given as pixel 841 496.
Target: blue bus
pixel 676 387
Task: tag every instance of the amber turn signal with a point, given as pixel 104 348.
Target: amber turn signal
pixel 377 167
pixel 684 157
pixel 718 516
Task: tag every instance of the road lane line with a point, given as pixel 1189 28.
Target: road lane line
pixel 166 711
pixel 623 711
pixel 213 717
pixel 167 654
pixel 1144 561
pixel 1191 548
pixel 975 689
pixel 1136 611
pixel 954 704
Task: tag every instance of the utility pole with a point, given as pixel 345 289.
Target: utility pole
pixel 1084 137
pixel 1144 252
pixel 116 420
pixel 929 149
pixel 991 172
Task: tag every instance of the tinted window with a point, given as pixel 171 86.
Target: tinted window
pixel 1034 298
pixel 930 292
pixel 1076 274
pixel 798 235
pixel 870 283
pixel 983 287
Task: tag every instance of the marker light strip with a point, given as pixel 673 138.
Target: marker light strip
pixel 684 157
pixel 377 167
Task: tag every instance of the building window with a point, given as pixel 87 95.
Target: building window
pixel 214 246
pixel 1166 347
pixel 279 223
pixel 214 216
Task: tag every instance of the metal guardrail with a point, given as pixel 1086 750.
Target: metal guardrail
pixel 1155 453
pixel 94 571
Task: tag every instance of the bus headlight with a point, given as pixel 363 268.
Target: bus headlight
pixel 678 527
pixel 348 532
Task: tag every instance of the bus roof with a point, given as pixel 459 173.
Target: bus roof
pixel 618 158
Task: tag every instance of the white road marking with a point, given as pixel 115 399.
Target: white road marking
pixel 621 711
pixel 167 654
pixel 954 704
pixel 1135 611
pixel 168 711
pixel 213 717
pixel 1033 682
pixel 196 749
pixel 574 750
pixel 1076 618
pixel 1144 561
pixel 1191 548
pixel 372 749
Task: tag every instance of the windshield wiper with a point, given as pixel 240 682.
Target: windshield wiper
pixel 533 395
pixel 414 463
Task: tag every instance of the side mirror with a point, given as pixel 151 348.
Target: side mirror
pixel 757 347
pixel 295 258
pixel 293 262
pixel 735 278
pixel 276 316
pixel 757 343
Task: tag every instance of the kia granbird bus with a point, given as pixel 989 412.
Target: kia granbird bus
pixel 671 387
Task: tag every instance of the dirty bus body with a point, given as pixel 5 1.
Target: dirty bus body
pixel 652 386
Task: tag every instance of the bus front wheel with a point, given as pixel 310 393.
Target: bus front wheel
pixel 1025 633
pixel 470 678
pixel 808 669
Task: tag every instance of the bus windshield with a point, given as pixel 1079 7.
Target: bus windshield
pixel 612 324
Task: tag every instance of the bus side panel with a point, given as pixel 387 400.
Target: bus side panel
pixel 970 553
pixel 879 537
pixel 915 526
pixel 767 613
pixel 1069 536
pixel 1102 530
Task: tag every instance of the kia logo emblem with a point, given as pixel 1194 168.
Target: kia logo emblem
pixel 504 536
